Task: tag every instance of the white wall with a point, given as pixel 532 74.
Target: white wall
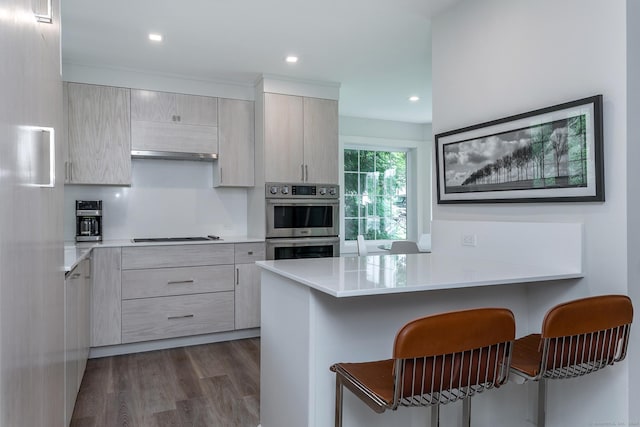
pixel 166 198
pixel 392 134
pixel 633 195
pixel 496 58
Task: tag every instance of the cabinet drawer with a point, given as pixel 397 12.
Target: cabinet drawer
pixel 176 256
pixel 159 282
pixel 248 253
pixel 176 316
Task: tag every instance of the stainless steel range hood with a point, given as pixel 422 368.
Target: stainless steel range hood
pixel 173 155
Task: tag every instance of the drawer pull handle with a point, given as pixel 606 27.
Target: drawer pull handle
pixel 176 282
pixel 186 316
pixel 250 253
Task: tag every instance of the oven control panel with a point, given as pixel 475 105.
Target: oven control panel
pixel 302 191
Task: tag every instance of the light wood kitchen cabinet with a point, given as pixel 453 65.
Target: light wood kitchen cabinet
pixel 301 139
pixel 236 144
pixel 106 296
pixel 171 122
pixel 321 140
pixel 76 332
pixel 247 296
pixel 99 135
pixel 283 138
pixel 171 291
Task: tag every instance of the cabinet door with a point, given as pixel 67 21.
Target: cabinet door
pixel 197 110
pixel 283 138
pixel 235 165
pixel 106 294
pixel 247 301
pixel 84 320
pixel 321 140
pixel 151 106
pixel 99 130
pixel 71 351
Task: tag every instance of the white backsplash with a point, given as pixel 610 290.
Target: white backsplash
pixel 166 198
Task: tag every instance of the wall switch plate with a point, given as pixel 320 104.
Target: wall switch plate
pixel 469 240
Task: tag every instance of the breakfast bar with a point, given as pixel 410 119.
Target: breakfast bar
pixel 348 309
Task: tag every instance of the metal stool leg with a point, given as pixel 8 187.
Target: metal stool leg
pixel 338 401
pixel 466 412
pixel 542 402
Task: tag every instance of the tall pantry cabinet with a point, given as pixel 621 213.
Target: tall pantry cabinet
pixel 31 212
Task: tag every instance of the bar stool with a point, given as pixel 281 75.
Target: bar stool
pixel 436 360
pixel 578 337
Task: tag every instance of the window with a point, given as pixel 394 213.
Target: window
pixel 375 194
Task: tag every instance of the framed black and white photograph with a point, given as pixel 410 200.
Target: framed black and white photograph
pixel 552 154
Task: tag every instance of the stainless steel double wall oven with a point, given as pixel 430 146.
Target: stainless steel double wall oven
pixel 303 220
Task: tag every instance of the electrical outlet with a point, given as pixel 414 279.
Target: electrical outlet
pixel 469 240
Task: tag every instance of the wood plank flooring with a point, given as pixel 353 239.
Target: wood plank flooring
pixel 205 385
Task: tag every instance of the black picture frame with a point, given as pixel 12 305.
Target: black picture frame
pixel 553 154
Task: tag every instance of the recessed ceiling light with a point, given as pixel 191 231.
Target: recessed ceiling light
pixel 155 37
pixel 291 59
pixel 414 98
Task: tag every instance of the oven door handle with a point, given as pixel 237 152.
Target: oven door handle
pixel 303 241
pixel 304 202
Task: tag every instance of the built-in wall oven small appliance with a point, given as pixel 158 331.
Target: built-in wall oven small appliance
pixel 303 220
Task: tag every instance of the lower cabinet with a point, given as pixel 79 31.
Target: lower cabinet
pixel 247 302
pixel 143 293
pixel 106 296
pixel 76 332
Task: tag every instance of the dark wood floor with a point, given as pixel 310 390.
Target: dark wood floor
pixel 205 385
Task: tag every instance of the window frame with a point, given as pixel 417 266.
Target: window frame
pixel 418 183
pixel 405 150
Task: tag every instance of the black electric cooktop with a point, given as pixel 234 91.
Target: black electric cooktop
pixel 175 239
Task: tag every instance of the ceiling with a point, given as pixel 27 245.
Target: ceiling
pixel 379 51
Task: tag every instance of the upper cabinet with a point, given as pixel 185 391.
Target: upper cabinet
pixel 321 140
pixel 99 138
pixel 301 139
pixel 173 123
pixel 236 144
pixel 283 135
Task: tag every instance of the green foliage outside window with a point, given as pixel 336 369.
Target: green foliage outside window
pixel 375 189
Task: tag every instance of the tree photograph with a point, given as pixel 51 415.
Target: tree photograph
pixel 547 155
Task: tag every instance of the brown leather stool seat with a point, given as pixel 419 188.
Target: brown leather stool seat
pixel 578 337
pixel 436 360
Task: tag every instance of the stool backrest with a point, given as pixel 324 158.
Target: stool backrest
pixel 450 356
pixel 362 245
pixel 585 335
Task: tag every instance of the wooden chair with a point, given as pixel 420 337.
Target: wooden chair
pixel 577 338
pixel 404 247
pixel 436 360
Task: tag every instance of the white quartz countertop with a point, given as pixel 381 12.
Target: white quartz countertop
pixel 75 252
pixel 386 274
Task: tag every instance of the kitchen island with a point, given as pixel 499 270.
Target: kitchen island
pixel 322 311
